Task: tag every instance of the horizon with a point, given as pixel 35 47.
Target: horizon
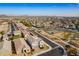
pixel 40 9
pixel 35 15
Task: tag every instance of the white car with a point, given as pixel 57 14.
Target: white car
pixel 41 44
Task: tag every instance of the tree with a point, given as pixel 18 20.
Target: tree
pixel 2 32
pixel 77 26
pixel 26 23
pixel 67 47
pixel 72 52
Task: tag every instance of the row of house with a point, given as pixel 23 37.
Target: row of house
pixel 33 40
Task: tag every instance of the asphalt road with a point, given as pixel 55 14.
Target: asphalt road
pixel 54 52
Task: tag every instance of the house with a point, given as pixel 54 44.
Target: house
pixel 35 42
pixel 21 47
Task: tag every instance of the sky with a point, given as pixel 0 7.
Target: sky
pixel 39 9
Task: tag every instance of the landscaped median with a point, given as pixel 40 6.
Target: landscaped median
pixel 39 51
